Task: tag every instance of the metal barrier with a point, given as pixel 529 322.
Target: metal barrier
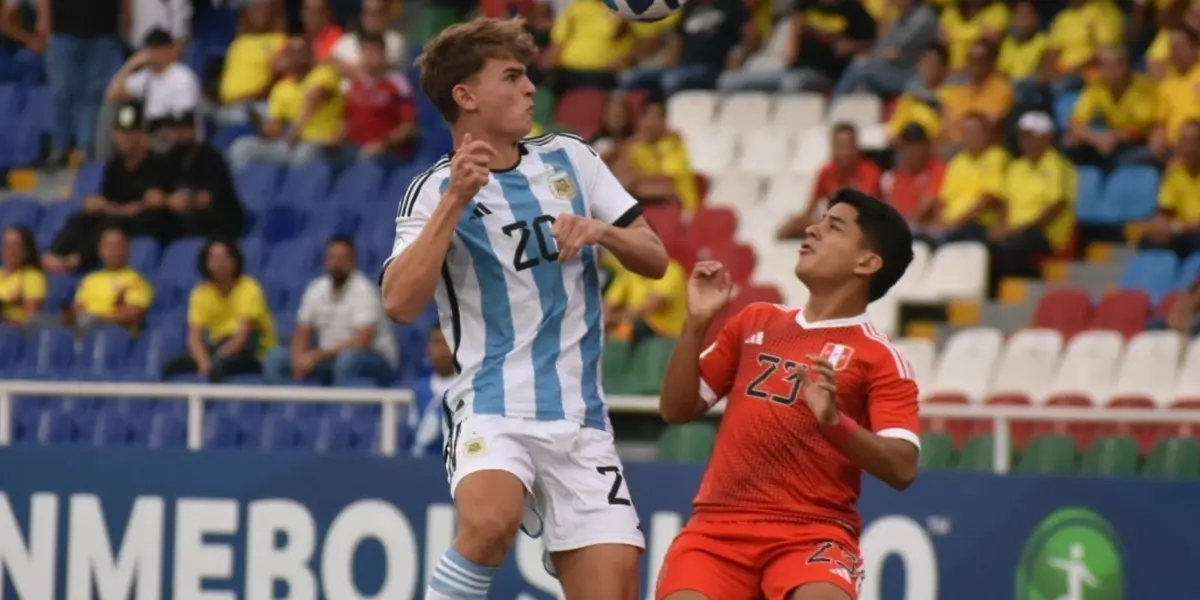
pixel 390 400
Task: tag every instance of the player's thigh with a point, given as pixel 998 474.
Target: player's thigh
pixel 491 472
pixel 698 566
pixel 599 572
pixel 829 569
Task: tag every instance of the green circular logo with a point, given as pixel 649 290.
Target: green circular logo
pixel 1073 554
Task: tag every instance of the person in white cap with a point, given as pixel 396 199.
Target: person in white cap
pixel 1037 216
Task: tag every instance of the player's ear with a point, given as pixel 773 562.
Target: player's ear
pixel 869 263
pixel 465 97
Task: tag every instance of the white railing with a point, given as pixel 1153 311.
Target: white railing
pixel 390 401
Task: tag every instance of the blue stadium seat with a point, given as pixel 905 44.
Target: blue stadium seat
pixel 10 349
pixel 398 184
pixel 252 254
pixel 87 182
pixel 11 99
pixel 333 435
pixel 60 292
pixel 49 352
pixel 25 142
pixel 53 217
pixel 1064 107
pixel 246 379
pixel 1152 271
pixel 1133 192
pixel 226 135
pixel 81 405
pixel 21 211
pixel 110 429
pixel 360 182
pixel 220 431
pixel 305 186
pixel 104 350
pixel 292 262
pixel 1090 204
pixel 281 222
pixel 364 437
pixel 256 185
pixel 278 433
pixel 1188 273
pixel 327 220
pixel 55 428
pixel 277 296
pixel 37 107
pixel 166 431
pixel 358 412
pixel 143 254
pixel 179 261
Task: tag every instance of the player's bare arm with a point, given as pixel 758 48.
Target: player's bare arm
pixel 892 460
pixel 709 289
pixel 412 278
pixel 636 246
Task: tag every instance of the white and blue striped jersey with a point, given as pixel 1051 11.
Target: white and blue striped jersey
pixel 526 330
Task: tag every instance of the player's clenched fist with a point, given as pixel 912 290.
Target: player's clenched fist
pixel 820 395
pixel 572 232
pixel 469 169
pixel 708 289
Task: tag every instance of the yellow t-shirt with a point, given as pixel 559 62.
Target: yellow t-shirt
pixel 221 315
pixel 1179 100
pixel 668 156
pixel 993 97
pixel 1160 48
pixel 1021 59
pixel 968 178
pixel 248 65
pixel 1180 194
pixel 1032 188
pixel 98 292
pixel 630 290
pixel 1078 31
pixel 909 110
pixel 1131 114
pixel 961 33
pixel 586 32
pixel 19 287
pixel 287 101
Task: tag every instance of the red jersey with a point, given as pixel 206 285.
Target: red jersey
pixel 906 189
pixel 771 459
pixel 864 178
pixel 375 108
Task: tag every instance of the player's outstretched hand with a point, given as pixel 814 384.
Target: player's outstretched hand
pixel 469 169
pixel 708 289
pixel 573 232
pixel 821 393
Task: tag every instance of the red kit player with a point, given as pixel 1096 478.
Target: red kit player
pixel 815 396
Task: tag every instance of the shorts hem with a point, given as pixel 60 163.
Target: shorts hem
pixel 567 546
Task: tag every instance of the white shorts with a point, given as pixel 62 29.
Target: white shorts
pixel 576 495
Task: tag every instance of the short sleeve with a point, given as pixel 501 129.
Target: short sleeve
pixel 618 292
pixel 1086 108
pixel 415 209
pixel 719 362
pixel 326 78
pixel 1168 198
pixel 198 308
pixel 140 293
pixel 308 305
pixel 84 289
pixel 892 397
pixel 135 84
pixel 278 108
pixel 346 49
pixel 560 31
pixel 249 302
pixel 34 287
pixel 672 282
pixel 606 197
pixel 367 306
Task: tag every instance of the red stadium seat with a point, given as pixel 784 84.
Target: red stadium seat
pixel 761 293
pixel 1146 434
pixel 713 226
pixel 683 252
pixel 1123 311
pixel 666 219
pixel 1185 429
pixel 582 110
pixel 1164 305
pixel 1022 431
pixel 738 259
pixel 959 429
pixel 1068 310
pixel 1083 432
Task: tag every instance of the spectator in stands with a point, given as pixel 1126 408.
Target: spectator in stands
pixel 203 198
pixel 171 16
pixel 423 422
pixel 616 127
pixel 154 77
pixel 893 59
pixel 847 168
pixel 919 103
pixel 83 52
pixel 985 91
pixel 971 188
pixel 1114 115
pixel 116 294
pixel 966 23
pixel 18 24
pixel 347 53
pixel 659 162
pixel 229 324
pixel 589 44
pixel 826 35
pixel 381 119
pixel 249 71
pixel 304 115
pixel 1178 98
pixel 916 180
pixel 22 283
pixel 637 307
pixel 711 36
pixel 342 333
pixel 1177 224
pixel 319 28
pixel 1182 14
pixel 1184 313
pixel 133 196
pixel 1037 214
pixel 1076 34
pixel 1023 51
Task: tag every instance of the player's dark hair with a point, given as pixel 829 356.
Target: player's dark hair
pixel 342 238
pixel 885 232
pixel 239 262
pixel 29 250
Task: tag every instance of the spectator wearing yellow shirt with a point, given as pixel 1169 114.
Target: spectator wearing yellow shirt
pixel 116 294
pixel 588 44
pixel 1023 52
pixel 230 326
pixel 1114 115
pixel 970 22
pixel 971 188
pixel 985 91
pixel 1177 224
pixel 1075 35
pixel 1037 215
pixel 22 283
pixel 636 306
pixel 919 103
pixel 249 71
pixel 660 163
pixel 1178 93
pixel 305 119
pixel 1182 13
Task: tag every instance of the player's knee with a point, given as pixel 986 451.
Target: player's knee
pixel 490 507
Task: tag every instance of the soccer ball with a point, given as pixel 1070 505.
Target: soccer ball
pixel 644 10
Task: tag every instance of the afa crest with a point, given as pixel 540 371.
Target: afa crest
pixel 562 186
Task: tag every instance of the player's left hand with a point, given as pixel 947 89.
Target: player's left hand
pixel 572 232
pixel 820 395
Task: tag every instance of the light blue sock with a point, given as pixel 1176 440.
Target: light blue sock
pixel 456 578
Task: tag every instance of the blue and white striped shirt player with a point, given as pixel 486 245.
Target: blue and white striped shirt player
pixel 526 331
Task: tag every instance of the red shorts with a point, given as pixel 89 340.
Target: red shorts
pixel 747 560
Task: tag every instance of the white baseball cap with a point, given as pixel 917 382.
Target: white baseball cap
pixel 1036 122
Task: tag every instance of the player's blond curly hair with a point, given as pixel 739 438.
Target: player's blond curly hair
pixel 459 53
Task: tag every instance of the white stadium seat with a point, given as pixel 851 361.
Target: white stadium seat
pixel 764 151
pixel 966 363
pixel 789 193
pixel 957 271
pixel 737 190
pixel 812 150
pixel 798 112
pixel 711 152
pixel 1149 367
pixel 885 315
pixel 873 137
pixel 1028 364
pixel 777 263
pixel 914 276
pixel 921 354
pixel 1187 387
pixel 691 111
pixel 863 110
pixel 1088 365
pixel 744 111
pixel 771 57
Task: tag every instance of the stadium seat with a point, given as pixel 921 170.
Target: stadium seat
pixel 760 293
pixel 957 271
pixel 787 193
pixel 812 151
pixel 937 451
pixel 10 349
pixel 358 183
pixel 110 429
pixel 650 359
pixel 1123 311
pixel 220 431
pixel 1111 456
pixel 738 259
pixel 1149 368
pixel 910 283
pixel 666 219
pixel 1090 200
pixel 20 212
pixel 1187 386
pixel 60 292
pixel 1174 458
pixel 103 351
pixel 178 265
pixel 582 111
pixel 691 442
pixel 798 112
pixel 965 366
pixel 743 111
pixel 712 226
pixel 1027 367
pixel 711 152
pixel 55 428
pixel 305 186
pixel 166 431
pixel 690 111
pixel 861 110
pixel 734 189
pixel 143 254
pixel 49 352
pixel 1068 310
pixel 1152 271
pixel 978 454
pixel 921 355
pixel 1087 367
pixel 333 436
pixel 1064 107
pixel 256 185
pixel 885 315
pixel 764 151
pixel 1132 191
pixel 292 262
pixel 1049 455
pixel 87 182
pixel 1189 272
pixel 281 222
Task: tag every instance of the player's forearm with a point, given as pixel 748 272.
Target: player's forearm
pixel 893 461
pixel 412 278
pixel 680 401
pixel 638 248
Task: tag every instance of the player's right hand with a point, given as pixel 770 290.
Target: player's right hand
pixel 469 169
pixel 708 289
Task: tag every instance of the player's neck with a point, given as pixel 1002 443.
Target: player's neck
pixel 837 303
pixel 508 151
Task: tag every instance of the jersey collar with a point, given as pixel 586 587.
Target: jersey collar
pixel 862 319
pixel 522 150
